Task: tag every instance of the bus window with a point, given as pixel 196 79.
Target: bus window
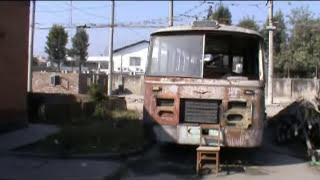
pixel 231 58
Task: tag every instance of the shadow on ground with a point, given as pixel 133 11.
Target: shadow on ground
pixel 179 161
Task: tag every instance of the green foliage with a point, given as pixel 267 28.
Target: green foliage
pixel 56 44
pixel 249 23
pixel 222 15
pixel 301 53
pixel 96 93
pixel 80 44
pixel 280 34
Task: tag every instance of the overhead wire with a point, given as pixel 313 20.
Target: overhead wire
pixel 156 22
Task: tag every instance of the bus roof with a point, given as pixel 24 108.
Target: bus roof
pixel 207 27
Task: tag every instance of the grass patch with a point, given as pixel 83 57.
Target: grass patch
pixel 118 131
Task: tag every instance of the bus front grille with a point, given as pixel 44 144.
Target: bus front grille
pixel 200 111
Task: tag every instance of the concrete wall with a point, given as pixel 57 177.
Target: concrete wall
pixel 131 84
pixel 283 87
pixel 71 83
pixel 85 80
pixel 293 88
pixel 14 30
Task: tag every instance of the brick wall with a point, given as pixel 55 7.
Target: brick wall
pixel 41 82
pixel 70 83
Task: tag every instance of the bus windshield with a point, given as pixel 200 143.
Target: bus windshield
pixel 177 55
pixel 223 57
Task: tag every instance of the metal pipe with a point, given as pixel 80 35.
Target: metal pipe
pixel 111 50
pixel 171 13
pixel 30 48
pixel 270 64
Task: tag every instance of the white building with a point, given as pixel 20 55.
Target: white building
pixel 131 59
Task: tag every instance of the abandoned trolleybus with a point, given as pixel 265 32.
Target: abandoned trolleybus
pixel 205 73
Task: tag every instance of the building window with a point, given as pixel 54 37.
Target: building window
pixel 55 80
pixel 104 65
pixel 135 61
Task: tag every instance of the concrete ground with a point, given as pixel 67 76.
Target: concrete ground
pixel 169 162
pixel 24 136
pixel 20 167
pixel 25 168
pixel 271 161
pixel 268 162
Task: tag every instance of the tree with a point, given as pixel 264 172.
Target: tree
pixel 222 15
pixel 249 23
pixel 300 53
pixel 56 44
pixel 80 46
pixel 304 43
pixel 282 63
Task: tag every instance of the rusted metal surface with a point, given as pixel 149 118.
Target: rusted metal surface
pixel 248 133
pixel 237 104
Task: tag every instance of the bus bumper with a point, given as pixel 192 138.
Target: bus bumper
pixel 190 135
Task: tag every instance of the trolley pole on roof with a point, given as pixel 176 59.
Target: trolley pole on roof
pixel 30 48
pixel 171 13
pixel 111 50
pixel 271 28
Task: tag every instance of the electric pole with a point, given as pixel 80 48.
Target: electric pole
pixel 30 48
pixel 111 50
pixel 271 28
pixel 171 13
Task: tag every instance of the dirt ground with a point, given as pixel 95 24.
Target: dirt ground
pixel 270 161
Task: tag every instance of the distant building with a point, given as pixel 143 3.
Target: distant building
pixel 14 30
pixel 130 59
pixel 41 59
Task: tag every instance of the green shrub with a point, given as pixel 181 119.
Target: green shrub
pixel 96 93
pixel 101 112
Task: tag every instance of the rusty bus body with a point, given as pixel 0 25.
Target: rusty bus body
pixel 211 74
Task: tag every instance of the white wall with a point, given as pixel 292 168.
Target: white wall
pixel 140 50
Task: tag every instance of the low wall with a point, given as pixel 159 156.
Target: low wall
pixel 41 83
pixel 294 88
pixel 70 83
pixel 132 84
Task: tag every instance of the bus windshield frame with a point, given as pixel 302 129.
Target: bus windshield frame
pixel 194 55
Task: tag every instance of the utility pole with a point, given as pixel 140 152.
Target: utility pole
pixel 72 60
pixel 271 28
pixel 111 50
pixel 171 13
pixel 30 48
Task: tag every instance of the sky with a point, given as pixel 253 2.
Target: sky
pixel 133 12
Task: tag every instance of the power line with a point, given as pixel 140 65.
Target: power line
pixel 88 13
